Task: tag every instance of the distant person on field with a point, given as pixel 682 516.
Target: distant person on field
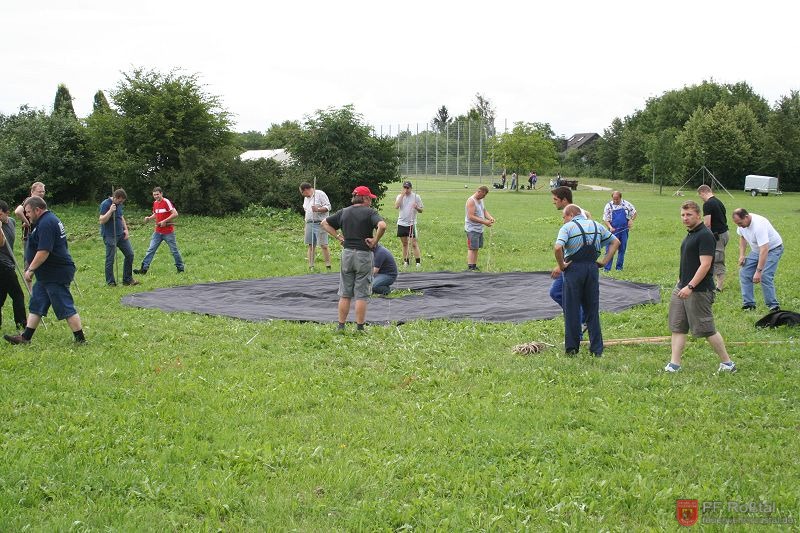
pixel 410 204
pixel 532 179
pixel 37 189
pixel 50 261
pixel 164 214
pixel 618 216
pixel 316 207
pixel 514 181
pixel 357 222
pixel 384 270
pixel 690 304
pixel 766 249
pixel 9 283
pixel 475 218
pixel 577 249
pixel 114 231
pixel 716 219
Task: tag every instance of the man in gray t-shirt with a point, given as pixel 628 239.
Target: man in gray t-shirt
pixel 357 223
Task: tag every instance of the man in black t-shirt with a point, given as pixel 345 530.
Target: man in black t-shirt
pixel 690 304
pixel 49 260
pixel 715 219
pixel 357 223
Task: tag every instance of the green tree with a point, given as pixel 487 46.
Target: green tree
pixel 336 147
pixel 608 148
pixel 62 104
pixel 159 116
pixel 782 147
pixel 52 149
pixel 100 104
pixel 251 140
pixel 523 148
pixel 726 140
pixel 281 135
pixel 442 119
pixel 484 111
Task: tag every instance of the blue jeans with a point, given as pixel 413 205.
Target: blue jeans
pixel 382 283
pixel 155 242
pixel 767 277
pixel 125 247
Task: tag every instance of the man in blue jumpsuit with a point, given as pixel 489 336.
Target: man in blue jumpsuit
pixel 577 249
pixel 618 216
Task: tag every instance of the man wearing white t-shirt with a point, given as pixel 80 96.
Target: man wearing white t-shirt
pixel 759 266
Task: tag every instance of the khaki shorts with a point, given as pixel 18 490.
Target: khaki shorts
pixel 692 313
pixel 719 253
pixel 355 278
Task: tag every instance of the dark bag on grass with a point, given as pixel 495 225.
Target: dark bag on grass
pixel 779 318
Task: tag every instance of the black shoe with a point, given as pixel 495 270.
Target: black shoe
pixel 180 271
pixel 748 307
pixel 130 283
pixel 774 309
pixel 16 339
pixel 140 271
pixel 571 353
pixel 112 284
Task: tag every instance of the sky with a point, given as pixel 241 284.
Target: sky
pixel 576 65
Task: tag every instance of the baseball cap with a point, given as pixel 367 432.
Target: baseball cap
pixel 361 190
pixel 407 184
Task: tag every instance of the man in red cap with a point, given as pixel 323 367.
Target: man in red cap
pixel 357 223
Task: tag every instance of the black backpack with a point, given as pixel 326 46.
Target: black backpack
pixel 779 318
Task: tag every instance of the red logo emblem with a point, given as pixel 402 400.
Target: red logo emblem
pixel 686 511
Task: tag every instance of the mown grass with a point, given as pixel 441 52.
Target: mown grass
pixel 171 421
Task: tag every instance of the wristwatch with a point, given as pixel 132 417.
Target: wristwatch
pixel 689 285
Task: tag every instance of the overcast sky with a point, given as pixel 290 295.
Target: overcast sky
pixel 575 64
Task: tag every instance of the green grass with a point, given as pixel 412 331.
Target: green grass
pixel 171 421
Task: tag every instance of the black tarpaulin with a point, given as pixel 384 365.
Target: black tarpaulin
pixel 490 297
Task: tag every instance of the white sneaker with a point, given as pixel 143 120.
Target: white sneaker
pixel 672 367
pixel 419 265
pixel 727 367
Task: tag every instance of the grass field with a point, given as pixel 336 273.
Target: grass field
pixel 170 421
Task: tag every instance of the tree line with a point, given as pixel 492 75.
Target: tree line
pixel 164 129
pixel 727 128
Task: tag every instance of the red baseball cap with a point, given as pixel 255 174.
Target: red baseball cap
pixel 361 190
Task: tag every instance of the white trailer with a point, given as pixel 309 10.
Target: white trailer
pixel 760 185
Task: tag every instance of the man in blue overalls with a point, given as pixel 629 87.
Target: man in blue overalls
pixel 577 249
pixel 618 216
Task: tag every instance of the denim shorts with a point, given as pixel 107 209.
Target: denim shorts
pixel 474 240
pixel 45 294
pixel 315 234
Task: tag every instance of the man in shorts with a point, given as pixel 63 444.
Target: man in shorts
pixel 409 203
pixel 357 222
pixel 316 207
pixel 690 304
pixel 716 219
pixel 475 218
pixel 50 261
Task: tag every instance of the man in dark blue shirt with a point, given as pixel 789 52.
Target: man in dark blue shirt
pixel 384 270
pixel 114 231
pixel 49 259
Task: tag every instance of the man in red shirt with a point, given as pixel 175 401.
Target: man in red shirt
pixel 164 213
